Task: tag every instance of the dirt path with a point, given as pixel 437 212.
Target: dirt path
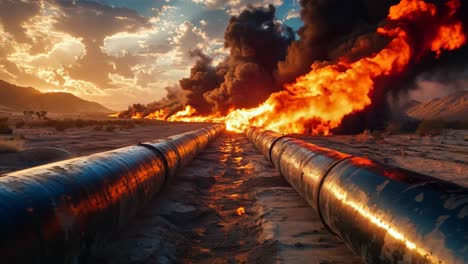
pixel 228 206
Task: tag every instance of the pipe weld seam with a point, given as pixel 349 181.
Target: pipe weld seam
pixel 319 189
pixel 164 160
pixel 273 145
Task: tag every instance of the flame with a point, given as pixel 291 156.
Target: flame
pixel 410 9
pixel 188 111
pixel 160 114
pixel 321 98
pixel 449 37
pixel 240 211
pixel 116 115
pixel 137 115
pixel 318 101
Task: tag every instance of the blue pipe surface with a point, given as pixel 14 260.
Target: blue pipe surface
pixel 57 212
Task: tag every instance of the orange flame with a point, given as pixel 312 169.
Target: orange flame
pixel 115 115
pixel 318 101
pixel 449 37
pixel 137 116
pixel 240 211
pixel 160 114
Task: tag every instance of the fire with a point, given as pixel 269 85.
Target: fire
pixel 160 114
pixel 410 8
pixel 318 101
pixel 114 115
pixel 137 116
pixel 449 37
pixel 240 211
pixel 189 111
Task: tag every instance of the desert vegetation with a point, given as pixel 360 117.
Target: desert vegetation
pixel 5 127
pixel 69 123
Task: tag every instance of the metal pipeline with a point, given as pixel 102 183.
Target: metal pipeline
pixel 384 214
pixel 57 213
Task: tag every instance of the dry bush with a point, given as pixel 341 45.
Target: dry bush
pixel 377 135
pixel 110 128
pixel 393 128
pixel 11 145
pixel 20 124
pixel 128 126
pixel 4 126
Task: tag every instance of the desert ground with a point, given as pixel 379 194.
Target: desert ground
pixel 230 205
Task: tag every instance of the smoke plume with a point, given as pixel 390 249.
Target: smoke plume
pixel 203 78
pixel 256 43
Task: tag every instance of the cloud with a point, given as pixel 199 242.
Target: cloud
pixel 108 46
pixel 13 13
pixel 293 13
pixel 235 7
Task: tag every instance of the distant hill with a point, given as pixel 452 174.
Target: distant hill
pixel 16 98
pixel 409 105
pixel 450 108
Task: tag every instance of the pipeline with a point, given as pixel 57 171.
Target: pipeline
pixel 384 214
pixel 59 212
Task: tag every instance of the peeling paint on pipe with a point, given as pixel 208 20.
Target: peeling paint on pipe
pixel 57 212
pixel 384 214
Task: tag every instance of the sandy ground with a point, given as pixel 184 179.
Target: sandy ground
pixel 231 206
pixel 444 156
pixel 82 141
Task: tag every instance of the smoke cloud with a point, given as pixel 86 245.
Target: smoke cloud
pixel 256 42
pixel 203 77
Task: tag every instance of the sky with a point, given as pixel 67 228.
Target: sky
pixel 115 52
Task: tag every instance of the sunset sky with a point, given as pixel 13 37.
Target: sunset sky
pixel 115 52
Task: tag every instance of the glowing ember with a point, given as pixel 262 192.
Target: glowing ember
pixel 240 211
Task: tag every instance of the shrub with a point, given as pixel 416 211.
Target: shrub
pixel 4 127
pixel 393 128
pixel 377 135
pixel 110 128
pixel 128 126
pixel 62 125
pixel 431 127
pixel 20 124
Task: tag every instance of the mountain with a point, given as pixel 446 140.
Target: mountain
pixel 409 105
pixel 16 98
pixel 450 108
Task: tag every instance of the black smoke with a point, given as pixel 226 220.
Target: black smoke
pixel 256 43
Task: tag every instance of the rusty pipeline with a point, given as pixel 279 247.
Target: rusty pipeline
pixel 57 213
pixel 384 214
